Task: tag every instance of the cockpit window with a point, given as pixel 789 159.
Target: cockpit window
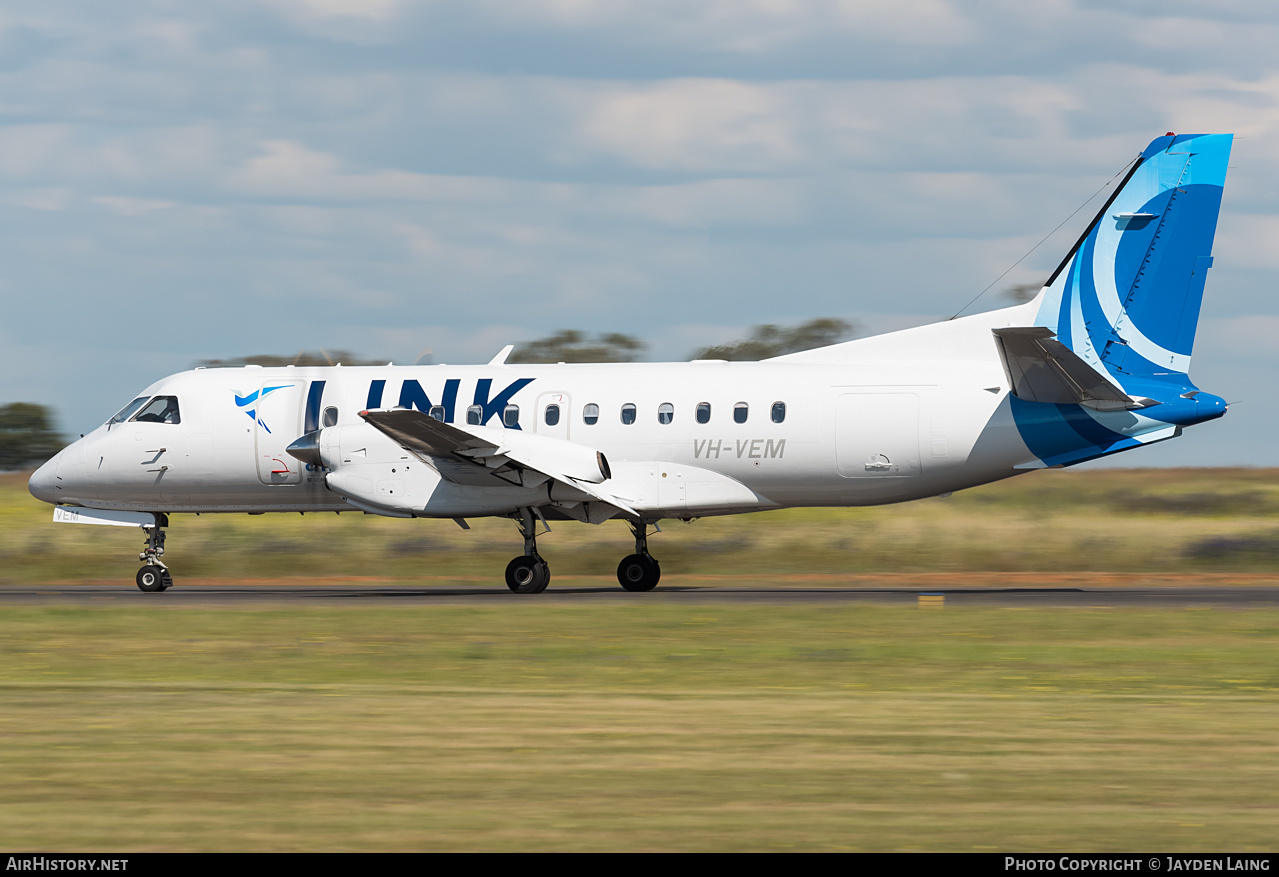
pixel 161 409
pixel 129 410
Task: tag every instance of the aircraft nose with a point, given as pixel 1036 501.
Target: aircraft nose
pixel 41 484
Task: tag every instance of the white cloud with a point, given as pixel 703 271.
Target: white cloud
pixel 692 124
pixel 748 27
pixel 1250 337
pixel 374 10
pixel 51 199
pixel 1248 241
pixel 123 206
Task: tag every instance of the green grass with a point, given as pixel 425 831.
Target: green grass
pixel 647 727
pixel 1149 521
pixel 530 725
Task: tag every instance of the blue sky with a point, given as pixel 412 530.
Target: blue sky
pixel 187 181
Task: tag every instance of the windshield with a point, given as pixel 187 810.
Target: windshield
pixel 161 409
pixel 129 410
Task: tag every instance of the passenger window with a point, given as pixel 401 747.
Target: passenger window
pixel 740 411
pixel 511 416
pixel 552 415
pixel 473 415
pixel 330 417
pixel 628 413
pixel 665 412
pixel 436 412
pixel 779 412
pixel 703 412
pixel 161 409
pixel 591 414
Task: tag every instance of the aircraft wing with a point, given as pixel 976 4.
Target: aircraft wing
pixel 1042 369
pixel 461 452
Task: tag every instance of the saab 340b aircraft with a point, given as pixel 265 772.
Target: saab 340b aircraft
pixel 1096 364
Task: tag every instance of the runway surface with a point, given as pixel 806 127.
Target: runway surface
pixel 1187 595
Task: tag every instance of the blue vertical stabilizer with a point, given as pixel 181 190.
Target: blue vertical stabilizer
pixel 1126 299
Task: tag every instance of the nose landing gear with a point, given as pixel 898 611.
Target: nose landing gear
pixel 639 571
pixel 155 575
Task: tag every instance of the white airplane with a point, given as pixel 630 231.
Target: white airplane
pixel 1096 364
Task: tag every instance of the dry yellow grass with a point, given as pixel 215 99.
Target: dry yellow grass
pixel 1148 521
pixel 638 727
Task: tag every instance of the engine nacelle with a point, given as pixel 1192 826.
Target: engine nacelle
pixel 375 474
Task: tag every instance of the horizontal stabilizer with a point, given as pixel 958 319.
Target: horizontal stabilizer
pixel 511 455
pixel 1042 369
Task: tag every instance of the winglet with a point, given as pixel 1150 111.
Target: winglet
pixel 502 354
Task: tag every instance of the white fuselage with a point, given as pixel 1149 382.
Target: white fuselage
pixel 898 417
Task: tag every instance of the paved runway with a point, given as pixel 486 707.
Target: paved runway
pixel 196 595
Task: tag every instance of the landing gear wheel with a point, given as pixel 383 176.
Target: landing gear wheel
pixel 638 572
pixel 528 574
pixel 153 578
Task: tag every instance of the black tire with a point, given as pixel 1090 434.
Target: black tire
pixel 638 572
pixel 543 575
pixel 527 575
pixel 151 578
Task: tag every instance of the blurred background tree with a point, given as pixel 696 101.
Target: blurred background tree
pixel 570 345
pixel 1022 292
pixel 27 436
pixel 768 340
pixel 306 357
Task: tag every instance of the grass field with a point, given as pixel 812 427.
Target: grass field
pixel 527 725
pixel 639 727
pixel 1161 521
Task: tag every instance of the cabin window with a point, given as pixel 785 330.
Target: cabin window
pixel 703 412
pixel 779 412
pixel 511 416
pixel 552 415
pixel 129 410
pixel 740 410
pixel 628 413
pixel 591 414
pixel 436 413
pixel 330 417
pixel 665 412
pixel 161 409
pixel 473 415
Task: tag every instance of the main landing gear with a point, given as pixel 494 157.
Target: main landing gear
pixel 528 573
pixel 639 571
pixel 155 575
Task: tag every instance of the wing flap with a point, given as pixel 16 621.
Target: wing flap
pixel 459 453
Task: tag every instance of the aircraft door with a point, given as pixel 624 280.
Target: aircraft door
pixel 877 435
pixel 278 421
pixel 553 414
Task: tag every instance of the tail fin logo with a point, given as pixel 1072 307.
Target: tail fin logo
pixel 1127 297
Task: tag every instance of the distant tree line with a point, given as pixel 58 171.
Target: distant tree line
pixel 27 435
pixel 764 342
pixel 306 357
pixel 574 345
pixel 570 345
pixel 767 341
